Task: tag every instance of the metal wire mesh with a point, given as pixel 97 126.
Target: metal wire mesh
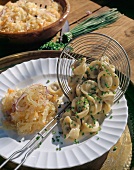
pixel 93 46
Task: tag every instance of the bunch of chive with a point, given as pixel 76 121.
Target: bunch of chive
pixel 92 23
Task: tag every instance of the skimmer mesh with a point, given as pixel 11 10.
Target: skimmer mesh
pixel 93 46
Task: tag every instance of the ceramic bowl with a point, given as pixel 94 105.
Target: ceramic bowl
pixel 38 35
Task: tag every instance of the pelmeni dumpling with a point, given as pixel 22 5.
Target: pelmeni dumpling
pixel 74 80
pixel 78 90
pixel 89 87
pixel 80 107
pixel 107 97
pixel 95 104
pixel 79 66
pixel 72 94
pixel 54 88
pixel 105 81
pixel 106 108
pixel 93 69
pixel 105 59
pixel 115 82
pixel 71 127
pixel 89 124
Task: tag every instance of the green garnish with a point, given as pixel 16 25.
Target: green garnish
pixel 110 117
pixel 83 133
pixel 38 137
pixel 115 148
pixel 76 141
pixel 53 140
pixel 98 138
pixel 92 23
pixel 48 81
pixel 53 132
pixel 107 86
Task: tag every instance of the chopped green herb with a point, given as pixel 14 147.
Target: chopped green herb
pixel 76 141
pixel 64 136
pixel 107 86
pixel 61 133
pixel 98 138
pixel 48 81
pixel 115 148
pixel 57 140
pixel 38 137
pixel 53 140
pixel 83 133
pixel 53 132
pixel 57 149
pixel 110 117
pixel 59 106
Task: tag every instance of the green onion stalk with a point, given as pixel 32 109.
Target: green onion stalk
pixel 87 26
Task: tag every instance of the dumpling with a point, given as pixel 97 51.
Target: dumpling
pixel 93 69
pixel 105 108
pixel 80 107
pixel 95 104
pixel 105 81
pixel 54 88
pixel 107 97
pixel 79 66
pixel 72 94
pixel 105 59
pixel 115 82
pixel 89 124
pixel 78 90
pixel 74 80
pixel 71 127
pixel 89 87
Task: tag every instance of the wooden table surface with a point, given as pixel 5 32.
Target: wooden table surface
pixel 122 31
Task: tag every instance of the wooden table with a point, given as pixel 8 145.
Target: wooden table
pixel 122 31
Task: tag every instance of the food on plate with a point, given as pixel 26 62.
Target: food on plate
pixel 29 109
pixel 92 91
pixel 24 16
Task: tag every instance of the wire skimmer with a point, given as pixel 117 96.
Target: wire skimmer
pixel 93 46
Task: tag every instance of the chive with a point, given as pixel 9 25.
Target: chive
pixel 115 148
pixel 110 117
pixel 76 141
pixel 83 133
pixel 77 116
pixel 53 132
pixel 57 140
pixel 57 149
pixel 92 23
pixel 64 136
pixel 38 137
pixel 106 85
pixel 53 140
pixel 60 132
pixel 98 138
pixel 48 81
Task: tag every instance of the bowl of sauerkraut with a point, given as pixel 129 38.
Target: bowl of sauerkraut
pixel 26 21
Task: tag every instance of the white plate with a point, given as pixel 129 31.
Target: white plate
pixel 39 71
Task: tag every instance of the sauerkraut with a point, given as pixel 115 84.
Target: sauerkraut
pixel 29 109
pixel 24 16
